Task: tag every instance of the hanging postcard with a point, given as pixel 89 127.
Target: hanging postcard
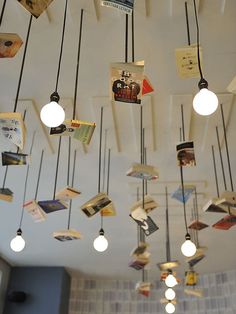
pixel 36 7
pixel 125 6
pixel 185 154
pixel 127 82
pixel 13 128
pixel 9 45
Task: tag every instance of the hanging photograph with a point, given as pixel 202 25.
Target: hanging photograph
pixel 125 6
pixel 14 159
pixel 185 154
pixel 35 7
pixel 126 82
pixel 9 45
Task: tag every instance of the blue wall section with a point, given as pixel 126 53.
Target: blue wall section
pixel 47 290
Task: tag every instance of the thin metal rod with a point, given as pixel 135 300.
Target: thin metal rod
pixel 39 175
pixel 215 171
pixel 3 10
pixel 183 196
pixel 68 162
pixel 168 256
pixel 145 162
pixel 198 40
pixel 22 64
pixel 221 159
pixel 138 227
pixel 100 152
pixel 141 134
pixel 196 204
pixel 57 166
pixel 143 275
pixel 72 184
pixel 62 44
pixel 5 177
pixel 133 36
pixel 104 161
pixel 77 64
pixel 26 181
pixel 182 119
pixel 187 22
pixel 126 37
pixel 227 148
pixel 108 170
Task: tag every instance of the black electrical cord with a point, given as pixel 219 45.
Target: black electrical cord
pixel 2 12
pixel 198 40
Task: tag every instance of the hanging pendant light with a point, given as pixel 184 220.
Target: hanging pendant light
pixel 170 280
pixel 205 101
pixel 170 308
pixel 100 243
pixel 170 294
pixel 18 243
pixel 188 248
pixel 52 114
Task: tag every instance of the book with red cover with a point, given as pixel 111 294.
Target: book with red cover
pixel 147 86
pixel 197 225
pixel 225 223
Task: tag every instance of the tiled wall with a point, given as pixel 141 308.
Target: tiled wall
pixel 119 296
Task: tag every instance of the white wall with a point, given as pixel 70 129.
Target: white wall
pixel 5 269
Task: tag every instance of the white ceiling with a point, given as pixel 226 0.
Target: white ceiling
pixel 159 29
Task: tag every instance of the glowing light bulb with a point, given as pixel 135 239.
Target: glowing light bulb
pixel 171 281
pixel 170 294
pixel 18 243
pixel 170 308
pixel 52 114
pixel 100 243
pixel 188 248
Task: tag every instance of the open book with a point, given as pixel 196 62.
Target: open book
pixel 108 211
pixel 142 171
pixel 125 6
pixel 80 130
pixel 67 194
pixel 168 265
pixel 36 7
pixel 149 204
pixel 35 210
pixel 15 159
pixel 147 86
pixel 144 221
pixel 9 45
pixel 6 195
pixel 198 256
pixel 95 204
pixel 51 206
pixel 197 225
pixel 140 249
pixel 214 206
pixel 140 261
pixel 185 154
pixel 228 198
pixel 225 223
pixel 67 235
pixel 194 292
pixel 188 190
pixel 13 128
pixel 143 288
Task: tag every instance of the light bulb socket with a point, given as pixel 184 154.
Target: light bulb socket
pixel 187 236
pixel 55 97
pixel 169 271
pixel 202 83
pixel 101 232
pixel 19 232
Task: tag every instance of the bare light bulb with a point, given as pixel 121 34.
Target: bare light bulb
pixel 205 101
pixel 52 114
pixel 170 308
pixel 188 248
pixel 171 281
pixel 18 243
pixel 170 294
pixel 100 243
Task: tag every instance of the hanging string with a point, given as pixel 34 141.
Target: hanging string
pixel 187 22
pixel 72 184
pixel 126 37
pixel 62 44
pixel 57 165
pixel 39 175
pixel 198 41
pixel 99 159
pixel 138 227
pixel 196 218
pixel 68 162
pixel 215 172
pixel 221 158
pixel 2 12
pixel 77 64
pixel 108 170
pixel 26 181
pixel 227 148
pixel 104 161
pixel 23 63
pixel 133 36
pixel 168 256
pixel 145 162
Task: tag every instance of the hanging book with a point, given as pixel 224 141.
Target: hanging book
pixel 197 225
pixel 35 211
pixel 147 86
pixel 185 154
pixel 212 206
pixel 191 278
pixel 195 259
pixel 108 211
pixel 187 61
pixel 127 82
pixel 51 206
pixel 225 223
pixel 125 6
pixel 67 194
pixel 95 204
pixel 143 288
pixel 9 45
pixel 80 130
pixel 13 128
pixel 142 171
pixel 36 7
pixel 149 204
pixel 140 249
pixel 228 198
pixel 15 159
pixel 178 195
pixel 194 292
pixel 6 195
pixel 67 235
pixel 168 265
pixel 144 221
pixel 140 261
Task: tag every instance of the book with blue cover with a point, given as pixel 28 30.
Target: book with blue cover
pixel 51 206
pixel 178 195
